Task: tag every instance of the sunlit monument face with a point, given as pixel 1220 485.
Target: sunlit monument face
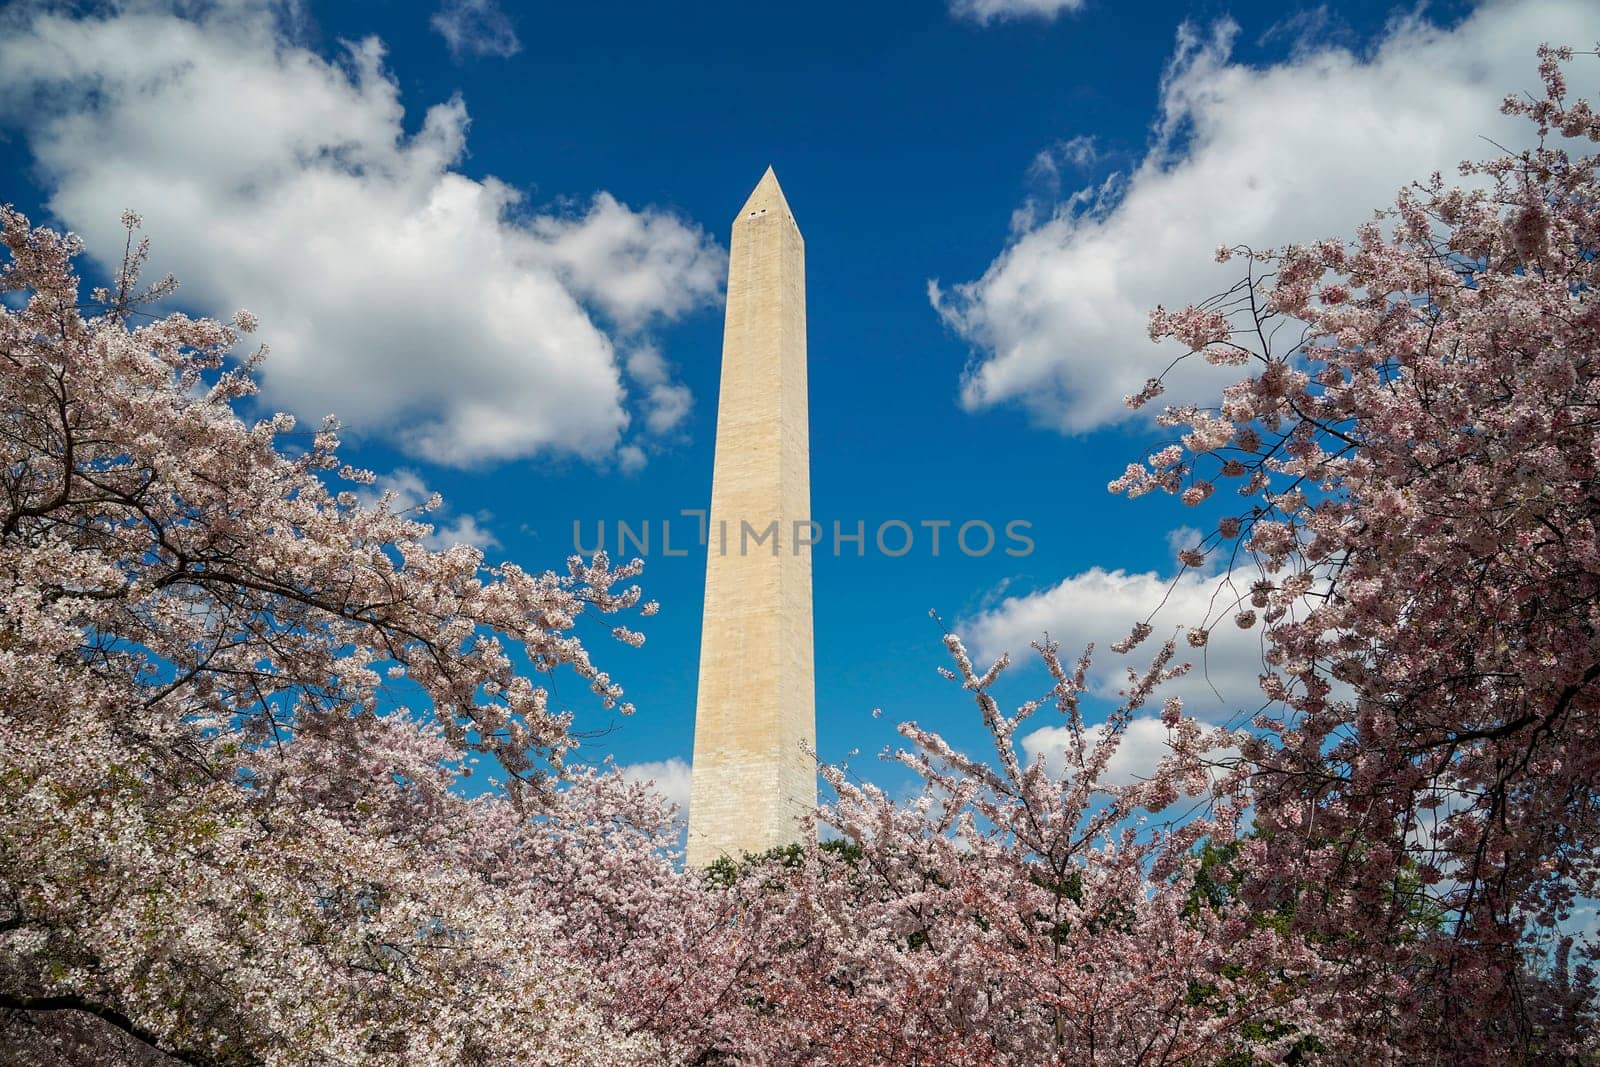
pixel 755 721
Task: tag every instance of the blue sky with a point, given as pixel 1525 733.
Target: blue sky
pixel 492 241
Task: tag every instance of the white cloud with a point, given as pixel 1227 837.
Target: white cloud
pixel 1076 153
pixel 646 366
pixel 1302 150
pixel 406 488
pixel 986 11
pixel 1045 176
pixel 475 28
pixel 463 530
pixel 1185 537
pixel 1101 606
pixel 1143 745
pixel 633 266
pixel 395 291
pixel 410 493
pixel 668 406
pixel 631 459
pixel 670 778
pixel 1310 29
pixel 666 403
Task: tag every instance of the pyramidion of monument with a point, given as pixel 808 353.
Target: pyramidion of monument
pixel 766 197
pixel 754 777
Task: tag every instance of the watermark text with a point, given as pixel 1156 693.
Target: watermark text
pixel 892 538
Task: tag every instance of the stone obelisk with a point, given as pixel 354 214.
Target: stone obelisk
pixel 755 719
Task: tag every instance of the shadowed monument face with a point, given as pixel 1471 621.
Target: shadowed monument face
pixel 755 719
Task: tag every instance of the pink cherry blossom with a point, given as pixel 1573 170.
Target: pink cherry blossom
pixel 1421 456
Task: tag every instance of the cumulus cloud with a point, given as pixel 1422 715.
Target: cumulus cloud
pixel 634 266
pixel 1101 606
pixel 669 404
pixel 409 493
pixel 1143 745
pixel 395 291
pixel 631 459
pixel 463 530
pixel 1264 156
pixel 1187 537
pixel 475 28
pixel 669 777
pixel 986 11
pixel 666 403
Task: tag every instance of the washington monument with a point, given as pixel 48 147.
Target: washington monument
pixel 755 718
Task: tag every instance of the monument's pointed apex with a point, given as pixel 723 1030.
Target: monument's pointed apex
pixel 766 197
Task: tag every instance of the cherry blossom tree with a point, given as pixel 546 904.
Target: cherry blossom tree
pixel 239 710
pixel 1417 454
pixel 1011 915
